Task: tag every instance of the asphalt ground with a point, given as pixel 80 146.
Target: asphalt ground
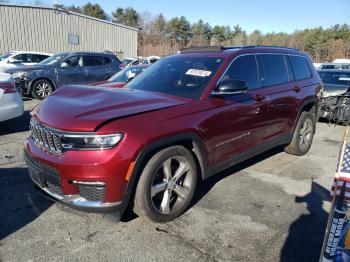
pixel 273 207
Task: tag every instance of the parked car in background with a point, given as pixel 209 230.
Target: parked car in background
pixel 185 118
pixel 336 86
pixel 11 103
pixel 128 62
pixel 21 58
pixel 334 66
pixel 124 76
pixel 63 69
pixel 131 61
pixel 151 59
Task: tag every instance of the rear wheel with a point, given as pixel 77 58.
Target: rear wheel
pixel 303 135
pixel 42 89
pixel 167 184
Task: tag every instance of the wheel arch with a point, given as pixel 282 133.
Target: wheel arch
pixel 310 104
pixel 189 140
pixel 32 83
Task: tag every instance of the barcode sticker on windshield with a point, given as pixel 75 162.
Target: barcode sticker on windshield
pixel 198 72
pixel 344 78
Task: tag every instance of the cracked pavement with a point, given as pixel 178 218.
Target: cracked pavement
pixel 270 208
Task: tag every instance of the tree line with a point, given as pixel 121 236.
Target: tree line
pixel 161 36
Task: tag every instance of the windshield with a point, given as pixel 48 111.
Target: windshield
pixel 335 78
pixel 126 74
pixel 178 75
pixel 53 60
pixel 4 56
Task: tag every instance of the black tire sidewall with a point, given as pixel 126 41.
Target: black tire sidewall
pixel 147 179
pixel 302 118
pixel 33 91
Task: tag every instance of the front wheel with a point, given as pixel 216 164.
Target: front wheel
pixel 303 135
pixel 167 185
pixel 42 89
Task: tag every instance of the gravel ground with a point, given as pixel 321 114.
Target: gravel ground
pixel 270 208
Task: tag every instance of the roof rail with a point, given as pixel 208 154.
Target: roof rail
pixel 193 49
pixel 269 46
pixel 209 48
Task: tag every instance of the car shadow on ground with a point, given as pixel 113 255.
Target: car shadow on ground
pixel 19 124
pixel 205 186
pixel 20 203
pixel 305 236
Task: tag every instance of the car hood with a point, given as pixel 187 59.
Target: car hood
pixel 24 68
pixel 334 90
pixel 110 84
pixel 85 108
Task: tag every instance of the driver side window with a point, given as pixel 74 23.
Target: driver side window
pixel 72 62
pixel 244 68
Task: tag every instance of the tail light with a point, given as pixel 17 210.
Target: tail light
pixel 8 87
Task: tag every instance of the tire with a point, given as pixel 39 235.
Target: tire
pixel 303 135
pixel 160 195
pixel 41 89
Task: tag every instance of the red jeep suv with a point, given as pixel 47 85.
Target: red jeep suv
pixel 187 117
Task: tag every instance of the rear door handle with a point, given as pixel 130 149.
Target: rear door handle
pixel 259 97
pixel 296 88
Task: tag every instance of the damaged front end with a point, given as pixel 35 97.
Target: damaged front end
pixel 335 105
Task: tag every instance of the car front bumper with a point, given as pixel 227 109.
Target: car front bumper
pixel 92 181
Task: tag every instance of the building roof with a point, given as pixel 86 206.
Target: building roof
pixel 68 12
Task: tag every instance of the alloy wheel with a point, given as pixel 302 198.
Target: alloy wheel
pixel 171 185
pixel 43 90
pixel 305 134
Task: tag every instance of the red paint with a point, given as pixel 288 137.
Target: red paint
pixel 146 117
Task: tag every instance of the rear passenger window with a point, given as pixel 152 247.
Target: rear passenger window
pixel 274 68
pixel 93 61
pixel 38 58
pixel 107 60
pixel 300 67
pixel 244 68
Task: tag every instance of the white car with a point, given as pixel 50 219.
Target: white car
pixel 20 58
pixel 11 103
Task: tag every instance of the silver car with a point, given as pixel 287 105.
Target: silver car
pixel 11 103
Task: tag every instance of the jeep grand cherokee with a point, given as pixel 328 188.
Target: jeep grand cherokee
pixel 187 117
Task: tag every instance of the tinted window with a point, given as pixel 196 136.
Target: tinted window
pixel 178 75
pixel 93 61
pixel 38 58
pixel 274 68
pixel 335 78
pixel 74 61
pixel 300 67
pixel 244 68
pixel 107 60
pixel 23 58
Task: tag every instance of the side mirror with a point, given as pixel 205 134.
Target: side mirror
pixel 230 87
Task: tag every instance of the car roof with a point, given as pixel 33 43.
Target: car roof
pixel 30 52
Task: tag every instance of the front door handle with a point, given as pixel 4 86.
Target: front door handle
pixel 259 97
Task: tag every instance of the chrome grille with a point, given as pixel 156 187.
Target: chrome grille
pixel 45 137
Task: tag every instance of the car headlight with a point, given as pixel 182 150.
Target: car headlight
pixel 19 74
pixel 90 141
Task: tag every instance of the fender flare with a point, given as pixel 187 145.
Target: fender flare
pixel 198 150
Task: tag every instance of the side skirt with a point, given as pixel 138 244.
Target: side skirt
pixel 281 140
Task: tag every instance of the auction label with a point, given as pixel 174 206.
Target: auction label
pixel 198 72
